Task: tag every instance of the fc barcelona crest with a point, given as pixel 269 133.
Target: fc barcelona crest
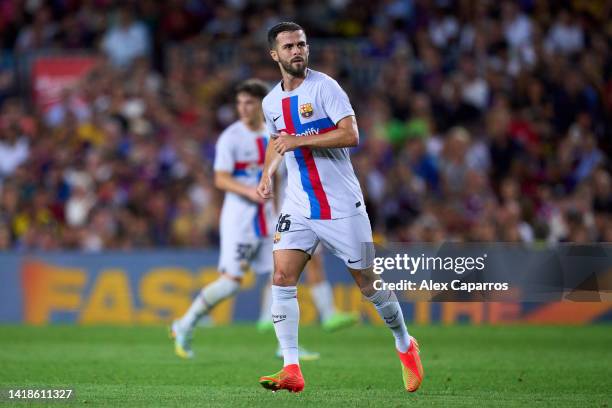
pixel 306 110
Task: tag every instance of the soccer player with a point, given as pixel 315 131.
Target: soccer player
pixel 246 220
pixel 312 125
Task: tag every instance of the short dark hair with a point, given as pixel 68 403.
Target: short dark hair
pixel 279 28
pixel 253 87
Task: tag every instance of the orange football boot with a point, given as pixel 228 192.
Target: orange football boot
pixel 289 378
pixel 412 369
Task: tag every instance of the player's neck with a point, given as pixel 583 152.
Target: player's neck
pixel 254 125
pixel 291 82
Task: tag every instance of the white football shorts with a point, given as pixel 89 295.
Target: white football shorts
pixel 349 238
pixel 238 254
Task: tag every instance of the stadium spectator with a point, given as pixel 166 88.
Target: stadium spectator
pixel 14 150
pixel 39 34
pixel 566 35
pixel 126 40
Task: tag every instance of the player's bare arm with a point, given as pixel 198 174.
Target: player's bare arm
pixel 276 180
pixel 271 163
pixel 226 182
pixel 346 135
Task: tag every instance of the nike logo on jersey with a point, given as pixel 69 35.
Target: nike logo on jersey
pixel 276 118
pixel 352 262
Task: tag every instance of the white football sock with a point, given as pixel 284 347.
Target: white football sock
pixel 286 317
pixel 208 298
pixel 323 298
pixel 389 309
pixel 266 304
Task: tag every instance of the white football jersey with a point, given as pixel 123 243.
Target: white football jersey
pixel 321 182
pixel 241 152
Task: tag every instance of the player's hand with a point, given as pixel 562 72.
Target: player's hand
pixel 253 195
pixel 284 142
pixel 264 189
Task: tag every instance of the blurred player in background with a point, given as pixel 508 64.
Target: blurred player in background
pixel 246 220
pixel 313 124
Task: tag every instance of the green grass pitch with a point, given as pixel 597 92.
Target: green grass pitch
pixel 464 366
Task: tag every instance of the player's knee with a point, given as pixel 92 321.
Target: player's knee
pixel 237 279
pixel 220 289
pixel 283 277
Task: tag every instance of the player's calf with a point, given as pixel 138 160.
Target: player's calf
pixel 209 297
pixel 389 309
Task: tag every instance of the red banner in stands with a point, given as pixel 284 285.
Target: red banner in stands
pixel 52 75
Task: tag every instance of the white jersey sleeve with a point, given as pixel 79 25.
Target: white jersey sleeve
pixel 270 127
pixel 335 101
pixel 224 154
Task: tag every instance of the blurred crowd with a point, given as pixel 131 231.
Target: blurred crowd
pixel 479 120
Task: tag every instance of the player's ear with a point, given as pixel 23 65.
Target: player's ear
pixel 274 55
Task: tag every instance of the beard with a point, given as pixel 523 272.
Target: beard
pixel 296 72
